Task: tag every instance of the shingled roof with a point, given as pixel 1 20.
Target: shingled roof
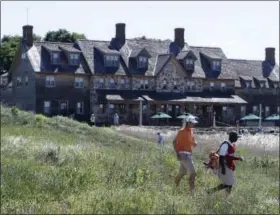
pixel 254 70
pixel 40 56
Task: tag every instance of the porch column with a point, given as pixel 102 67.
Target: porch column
pixel 140 112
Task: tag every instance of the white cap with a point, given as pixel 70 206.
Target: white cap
pixel 191 119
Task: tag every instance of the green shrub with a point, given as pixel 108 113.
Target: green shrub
pixel 15 111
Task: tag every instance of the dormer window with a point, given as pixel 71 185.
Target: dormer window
pixel 112 60
pixel 55 58
pixel 142 62
pixel 247 84
pixel 216 65
pixel 189 63
pixel 262 84
pixel 74 59
pixel 276 85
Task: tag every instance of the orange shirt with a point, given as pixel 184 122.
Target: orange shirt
pixel 184 140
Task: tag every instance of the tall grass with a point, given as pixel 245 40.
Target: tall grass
pixel 57 166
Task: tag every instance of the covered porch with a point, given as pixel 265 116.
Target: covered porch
pixel 138 109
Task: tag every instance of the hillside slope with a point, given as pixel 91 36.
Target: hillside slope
pixel 56 165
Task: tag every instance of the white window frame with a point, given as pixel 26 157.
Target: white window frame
pixel 55 58
pixel 18 82
pixel 74 58
pixel 50 81
pixel 80 108
pixel 122 81
pixel 112 60
pixel 142 62
pixel 189 63
pixel 63 103
pixel 79 82
pixel 216 65
pixel 47 107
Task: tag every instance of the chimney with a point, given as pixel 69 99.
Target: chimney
pixel 27 34
pixel 120 32
pixel 179 37
pixel 270 55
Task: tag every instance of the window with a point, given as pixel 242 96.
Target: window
pixel 122 81
pixel 243 108
pixel 79 82
pixel 74 59
pixel 224 108
pixel 50 82
pixel 101 82
pixel 101 106
pixel 216 65
pixel 23 56
pixel 26 80
pixel 47 107
pixel 255 108
pixel 142 62
pixel 112 60
pixel 80 108
pixel 164 83
pixel 223 87
pixel 18 82
pixel 55 58
pixel 211 86
pixel 146 83
pixel 175 85
pixel 276 85
pixel 63 106
pixel 247 84
pixel 112 83
pixel 278 109
pixel 267 109
pixel 189 63
pixel 112 106
pixel 262 84
pixel 141 84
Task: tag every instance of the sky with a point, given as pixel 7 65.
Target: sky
pixel 242 29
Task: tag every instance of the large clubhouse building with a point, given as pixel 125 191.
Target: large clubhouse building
pixel 121 75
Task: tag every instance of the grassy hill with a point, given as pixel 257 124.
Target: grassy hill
pixel 56 165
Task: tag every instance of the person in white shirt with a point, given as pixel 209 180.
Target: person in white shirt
pixel 92 119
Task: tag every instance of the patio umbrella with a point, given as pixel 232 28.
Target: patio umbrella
pixel 273 117
pixel 184 116
pixel 161 116
pixel 250 117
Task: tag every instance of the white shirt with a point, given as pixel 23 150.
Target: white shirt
pixel 224 149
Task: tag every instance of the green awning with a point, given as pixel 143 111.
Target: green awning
pixel 273 117
pixel 250 117
pixel 161 116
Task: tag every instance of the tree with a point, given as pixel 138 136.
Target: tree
pixel 8 50
pixel 62 35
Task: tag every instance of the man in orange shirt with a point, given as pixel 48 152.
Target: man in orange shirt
pixel 183 145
